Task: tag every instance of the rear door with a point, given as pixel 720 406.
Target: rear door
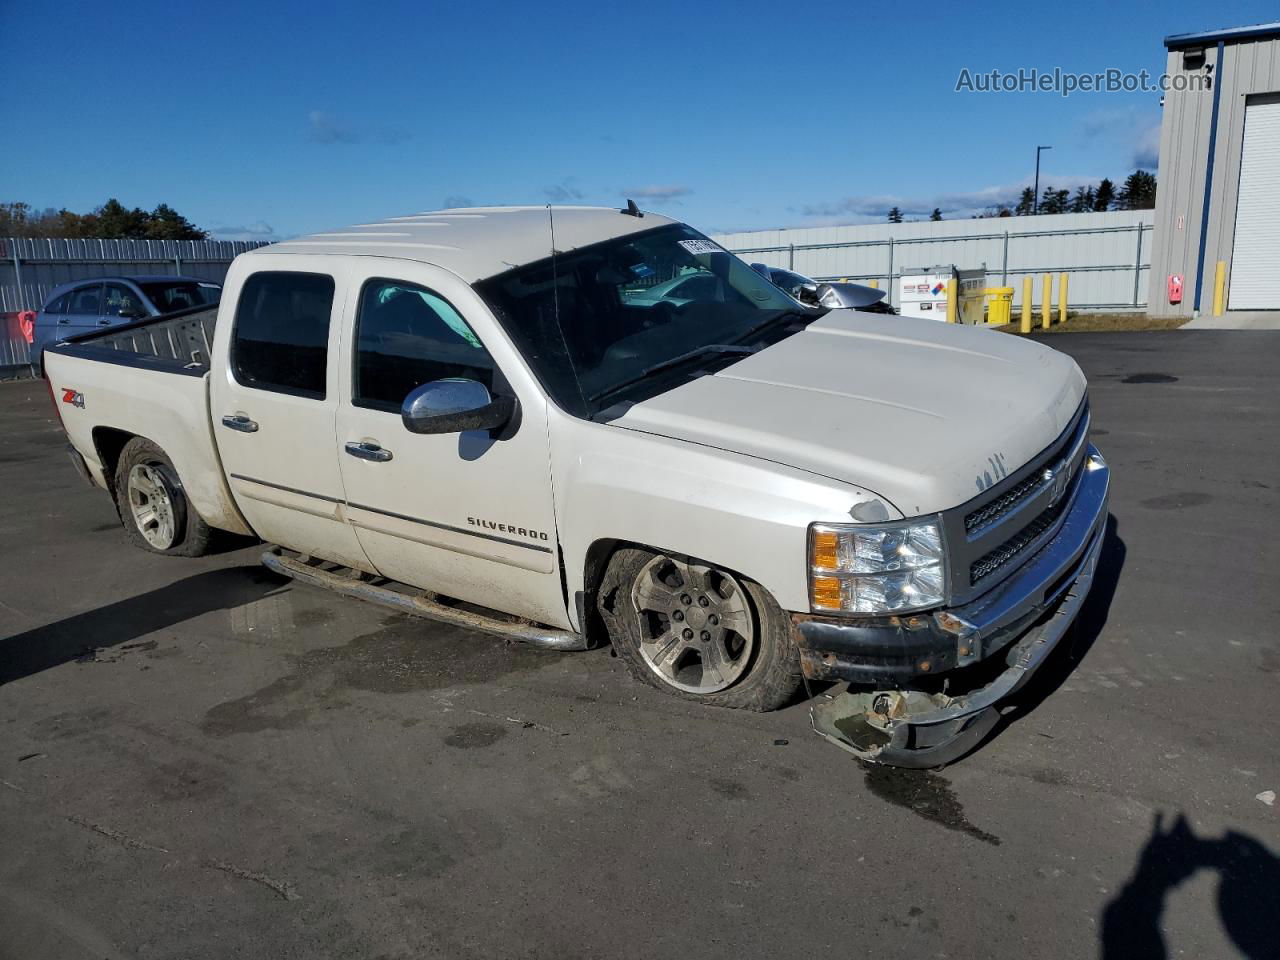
pixel 84 311
pixel 274 405
pixel 467 515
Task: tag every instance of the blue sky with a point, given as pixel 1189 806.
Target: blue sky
pixel 273 119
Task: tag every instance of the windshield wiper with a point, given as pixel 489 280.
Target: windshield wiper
pixel 710 348
pixel 764 325
pixel 693 354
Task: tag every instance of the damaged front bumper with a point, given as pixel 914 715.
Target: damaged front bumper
pixel 887 716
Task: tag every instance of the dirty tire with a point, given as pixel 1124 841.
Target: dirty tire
pixel 768 680
pixel 191 534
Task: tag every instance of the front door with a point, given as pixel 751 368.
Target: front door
pixel 274 407
pixel 466 515
pixel 121 305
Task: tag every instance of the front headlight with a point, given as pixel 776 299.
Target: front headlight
pixel 888 568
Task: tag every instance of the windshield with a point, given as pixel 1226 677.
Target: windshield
pixel 627 308
pixel 181 294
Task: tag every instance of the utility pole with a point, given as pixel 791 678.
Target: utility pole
pixel 1035 203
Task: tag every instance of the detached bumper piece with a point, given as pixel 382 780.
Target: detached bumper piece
pixel 883 719
pixel 405 599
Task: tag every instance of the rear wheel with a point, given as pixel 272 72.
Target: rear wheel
pixel 698 631
pixel 152 504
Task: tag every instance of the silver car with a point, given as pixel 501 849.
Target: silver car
pixel 84 305
pixel 833 295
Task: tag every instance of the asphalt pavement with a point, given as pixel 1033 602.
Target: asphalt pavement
pixel 199 759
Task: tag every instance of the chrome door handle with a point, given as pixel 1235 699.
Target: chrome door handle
pixel 243 424
pixel 368 451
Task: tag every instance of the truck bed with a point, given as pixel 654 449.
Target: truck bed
pixel 184 339
pixel 146 379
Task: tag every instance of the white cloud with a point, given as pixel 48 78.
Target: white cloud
pixel 258 230
pixel 1146 152
pixel 1133 130
pixel 563 192
pixel 657 194
pixel 954 206
pixel 324 127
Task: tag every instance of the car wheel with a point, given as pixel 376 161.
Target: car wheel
pixel 152 504
pixel 699 631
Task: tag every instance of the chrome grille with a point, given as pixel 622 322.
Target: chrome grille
pixel 992 512
pixel 986 565
pixel 989 537
pixel 990 562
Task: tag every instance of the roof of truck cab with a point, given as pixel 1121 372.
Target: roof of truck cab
pixel 473 242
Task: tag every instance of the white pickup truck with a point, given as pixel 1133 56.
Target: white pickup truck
pixel 487 416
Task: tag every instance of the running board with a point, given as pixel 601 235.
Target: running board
pixel 349 583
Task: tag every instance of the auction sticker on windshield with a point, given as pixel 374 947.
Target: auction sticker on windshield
pixel 697 247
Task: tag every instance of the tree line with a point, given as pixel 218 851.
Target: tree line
pixel 112 219
pixel 1138 192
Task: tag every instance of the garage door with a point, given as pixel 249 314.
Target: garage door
pixel 1255 263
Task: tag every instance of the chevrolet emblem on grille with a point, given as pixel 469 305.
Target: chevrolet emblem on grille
pixel 1056 478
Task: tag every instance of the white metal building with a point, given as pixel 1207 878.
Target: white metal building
pixel 1105 254
pixel 1218 197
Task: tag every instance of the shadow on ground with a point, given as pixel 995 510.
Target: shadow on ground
pixel 1248 893
pixel 56 643
pixel 1089 625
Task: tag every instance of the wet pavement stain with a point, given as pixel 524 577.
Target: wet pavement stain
pixel 468 736
pixel 313 617
pixel 927 795
pixel 406 655
pixel 1149 378
pixel 731 789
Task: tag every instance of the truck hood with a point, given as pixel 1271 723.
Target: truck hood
pixel 925 414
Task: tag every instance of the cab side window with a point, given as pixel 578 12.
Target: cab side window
pixel 58 305
pixel 281 337
pixel 407 336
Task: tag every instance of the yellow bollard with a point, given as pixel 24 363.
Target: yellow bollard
pixel 1062 298
pixel 1026 304
pixel 953 300
pixel 1219 288
pixel 1046 302
pixel 873 284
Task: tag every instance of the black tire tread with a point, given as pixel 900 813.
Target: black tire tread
pixel 196 534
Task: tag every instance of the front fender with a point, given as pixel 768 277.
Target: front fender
pixel 747 514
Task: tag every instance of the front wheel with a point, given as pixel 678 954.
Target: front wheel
pixel 698 631
pixel 152 504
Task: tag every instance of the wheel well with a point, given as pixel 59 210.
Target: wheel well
pixel 109 441
pixel 593 567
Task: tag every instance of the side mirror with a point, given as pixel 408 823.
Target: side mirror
pixel 455 406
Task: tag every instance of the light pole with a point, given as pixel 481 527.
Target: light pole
pixel 1035 201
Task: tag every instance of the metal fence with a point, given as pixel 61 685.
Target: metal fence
pixel 30 267
pixel 1105 256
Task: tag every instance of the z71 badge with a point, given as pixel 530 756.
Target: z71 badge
pixel 73 397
